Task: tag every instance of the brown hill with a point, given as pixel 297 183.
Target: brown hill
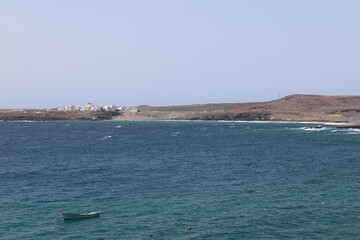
pixel 291 108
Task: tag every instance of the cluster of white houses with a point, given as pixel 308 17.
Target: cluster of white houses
pixel 92 107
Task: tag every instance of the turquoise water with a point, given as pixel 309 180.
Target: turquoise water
pixel 224 180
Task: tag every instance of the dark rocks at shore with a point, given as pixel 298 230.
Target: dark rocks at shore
pixel 41 115
pixel 344 126
pixel 246 116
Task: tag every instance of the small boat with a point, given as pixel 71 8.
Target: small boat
pixel 79 215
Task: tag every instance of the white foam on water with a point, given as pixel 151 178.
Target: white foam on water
pixel 347 130
pixel 335 123
pixel 25 121
pixel 324 123
pixel 175 134
pixel 352 131
pixel 105 138
pixel 314 129
pixel 333 130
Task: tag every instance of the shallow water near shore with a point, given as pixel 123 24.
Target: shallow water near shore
pixel 225 180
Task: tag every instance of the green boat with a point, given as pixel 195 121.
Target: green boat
pixel 79 215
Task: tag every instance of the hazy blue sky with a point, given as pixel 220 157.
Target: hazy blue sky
pixel 172 52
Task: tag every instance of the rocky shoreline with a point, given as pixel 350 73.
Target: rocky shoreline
pixel 343 126
pixel 41 115
pixel 302 108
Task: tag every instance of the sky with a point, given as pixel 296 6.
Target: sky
pixel 133 52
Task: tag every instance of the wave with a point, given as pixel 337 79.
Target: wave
pixel 290 122
pixel 175 134
pixel 332 130
pixel 352 131
pixel 346 131
pixel 319 129
pixel 23 121
pixel 105 138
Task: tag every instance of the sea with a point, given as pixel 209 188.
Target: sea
pixel 179 180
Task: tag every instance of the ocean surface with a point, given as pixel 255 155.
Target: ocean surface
pixel 156 180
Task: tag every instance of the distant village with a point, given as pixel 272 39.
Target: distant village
pixel 92 108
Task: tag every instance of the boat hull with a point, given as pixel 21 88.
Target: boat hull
pixel 70 216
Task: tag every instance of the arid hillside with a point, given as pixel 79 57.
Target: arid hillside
pixel 291 108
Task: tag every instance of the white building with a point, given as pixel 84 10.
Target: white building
pixel 89 107
pixel 69 108
pixel 110 108
pixel 72 108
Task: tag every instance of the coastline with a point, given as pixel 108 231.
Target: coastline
pixel 321 125
pixel 312 109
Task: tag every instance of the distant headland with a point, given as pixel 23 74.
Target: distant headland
pixel 312 108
